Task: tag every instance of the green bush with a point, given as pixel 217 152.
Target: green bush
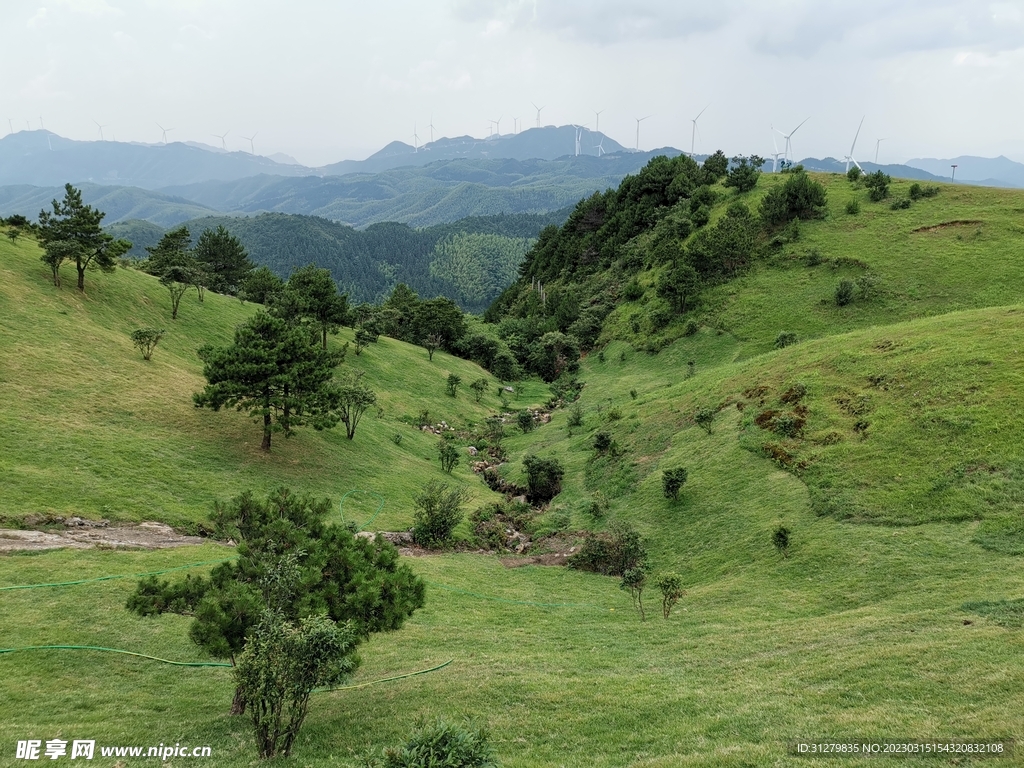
pixel 672 480
pixel 813 258
pixel 800 197
pixel 705 418
pixel 575 418
pixel 439 745
pixel 543 478
pixel 602 442
pixel 784 339
pixel 844 292
pixel 878 185
pixel 899 204
pixel 438 512
pixel 691 327
pixel 632 291
pixel 671 587
pixel 525 421
pixel 453 383
pixel 853 207
pixel 853 174
pixel 612 553
pixel 448 454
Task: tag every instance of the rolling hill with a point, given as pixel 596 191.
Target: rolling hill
pixel 892 616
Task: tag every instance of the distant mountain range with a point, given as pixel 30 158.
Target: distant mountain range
pixel 986 171
pixel 42 158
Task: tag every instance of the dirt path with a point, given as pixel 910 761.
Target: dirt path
pixel 76 533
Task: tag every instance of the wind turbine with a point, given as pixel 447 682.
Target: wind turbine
pixel 252 147
pixel 41 126
pixel 10 122
pixel 849 158
pixel 693 133
pixel 538 112
pixel 431 127
pixel 223 145
pixel 48 141
pixel 415 139
pixel 101 127
pixel 579 136
pixel 600 147
pixel 876 149
pixel 597 121
pixel 776 155
pixel 787 136
pixel 497 125
pixel 165 130
pixel 638 121
pixel 515 125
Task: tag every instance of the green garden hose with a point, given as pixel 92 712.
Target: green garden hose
pixel 115 576
pixel 341 506
pixel 115 650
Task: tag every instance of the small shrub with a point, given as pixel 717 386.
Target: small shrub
pixel 672 480
pixel 596 506
pixel 690 327
pixel 915 191
pixel 691 369
pixel 844 292
pixel 853 174
pixel 899 204
pixel 438 511
pixel 780 539
pixel 813 258
pixel 423 419
pixel 705 418
pixel 622 356
pixel 785 339
pixel 853 207
pixel 867 286
pixel 525 421
pixel 600 356
pixel 479 388
pixel 632 291
pixel 632 394
pixel 671 588
pixel 452 384
pixel 396 438
pixel 614 414
pixel 602 442
pixel 787 425
pixel 635 580
pixel 448 454
pixel 146 339
pixel 543 478
pixel 575 418
pixel 439 745
pixel 660 317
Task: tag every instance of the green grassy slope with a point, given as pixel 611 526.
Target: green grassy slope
pixel 960 250
pixel 98 431
pixel 861 632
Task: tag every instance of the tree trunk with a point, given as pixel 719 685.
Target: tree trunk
pixel 266 432
pixel 238 703
pixel 81 276
pixel 324 335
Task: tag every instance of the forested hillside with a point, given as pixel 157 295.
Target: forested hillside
pixel 470 261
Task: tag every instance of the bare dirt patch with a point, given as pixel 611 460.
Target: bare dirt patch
pixel 77 533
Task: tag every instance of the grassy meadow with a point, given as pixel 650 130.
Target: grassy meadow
pixel 891 617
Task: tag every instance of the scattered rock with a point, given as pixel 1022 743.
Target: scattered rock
pixel 80 533
pixel 472 451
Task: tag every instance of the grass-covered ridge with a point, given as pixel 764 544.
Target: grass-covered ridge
pixel 100 432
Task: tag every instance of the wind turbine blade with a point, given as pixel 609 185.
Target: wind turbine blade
pixel 798 127
pixel 702 112
pixel 856 135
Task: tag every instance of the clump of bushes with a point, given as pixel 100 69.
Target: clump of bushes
pixel 878 185
pixel 780 540
pixel 853 207
pixel 899 204
pixel 690 327
pixel 917 191
pixel 705 418
pixel 671 587
pixel 611 554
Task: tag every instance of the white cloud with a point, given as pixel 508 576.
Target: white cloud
pixel 38 19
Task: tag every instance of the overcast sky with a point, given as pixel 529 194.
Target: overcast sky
pixel 325 80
